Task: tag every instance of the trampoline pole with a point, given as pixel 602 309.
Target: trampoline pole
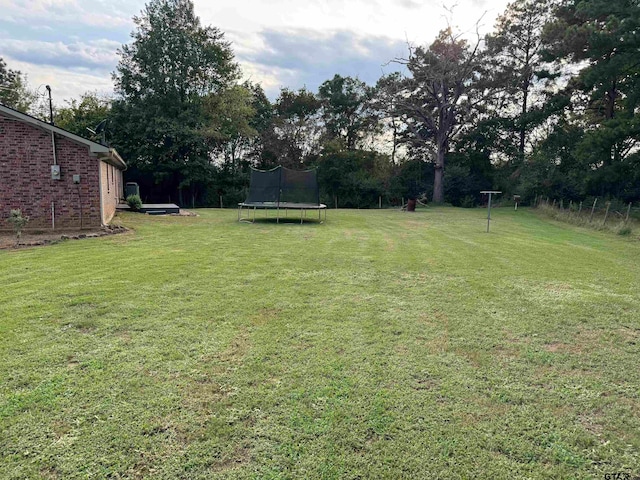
pixel 278 214
pixel 254 214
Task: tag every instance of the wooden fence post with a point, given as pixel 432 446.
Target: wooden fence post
pixel 221 206
pixel 593 209
pixel 628 212
pixel 580 209
pixel 606 214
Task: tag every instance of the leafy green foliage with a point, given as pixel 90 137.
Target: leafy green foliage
pixel 134 201
pixel 87 113
pixel 602 39
pixel 13 89
pixel 291 136
pixel 347 111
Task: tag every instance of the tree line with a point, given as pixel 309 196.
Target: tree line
pixel 546 104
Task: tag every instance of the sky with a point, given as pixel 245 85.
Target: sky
pixel 72 45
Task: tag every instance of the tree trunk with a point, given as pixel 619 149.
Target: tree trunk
pixel 438 186
pixel 523 128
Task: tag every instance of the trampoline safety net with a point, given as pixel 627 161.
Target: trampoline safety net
pixel 264 186
pixel 282 185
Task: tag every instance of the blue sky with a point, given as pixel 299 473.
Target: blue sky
pixel 72 44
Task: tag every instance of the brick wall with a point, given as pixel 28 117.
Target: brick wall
pixel 26 156
pixel 112 190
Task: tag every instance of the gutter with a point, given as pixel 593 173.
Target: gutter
pixel 112 157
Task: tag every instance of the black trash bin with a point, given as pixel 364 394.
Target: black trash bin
pixel 131 188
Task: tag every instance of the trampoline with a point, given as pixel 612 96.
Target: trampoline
pixel 282 189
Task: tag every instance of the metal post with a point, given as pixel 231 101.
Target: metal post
pixel 489 213
pixel 490 193
pixel 50 105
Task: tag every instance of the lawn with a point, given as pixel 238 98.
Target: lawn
pixel 381 344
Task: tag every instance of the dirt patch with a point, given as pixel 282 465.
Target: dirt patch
pixel 38 238
pixel 584 341
pixel 592 422
pixel 185 213
pixel 630 335
pixel 264 315
pixel 237 349
pixel 240 456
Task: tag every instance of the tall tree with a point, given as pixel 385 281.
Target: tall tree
pixel 162 80
pixel 14 92
pixel 231 114
pixel 436 96
pixel 346 110
pixel 293 134
pixel 513 57
pixel 86 113
pixel 601 39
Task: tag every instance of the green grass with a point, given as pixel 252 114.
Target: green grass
pixel 378 345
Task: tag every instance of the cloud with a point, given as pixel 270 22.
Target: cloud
pixel 99 55
pixel 281 43
pixel 410 4
pixel 66 84
pixel 97 14
pixel 300 57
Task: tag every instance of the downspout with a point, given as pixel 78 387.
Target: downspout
pixel 53 144
pixel 55 157
pixel 100 191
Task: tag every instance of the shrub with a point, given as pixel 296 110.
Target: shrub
pixel 134 202
pixel 19 222
pixel 623 230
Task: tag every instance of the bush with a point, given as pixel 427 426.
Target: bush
pixel 19 222
pixel 134 202
pixel 623 230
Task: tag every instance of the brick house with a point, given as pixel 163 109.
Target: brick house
pixel 59 179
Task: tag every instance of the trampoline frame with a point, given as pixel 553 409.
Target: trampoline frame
pixel 286 206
